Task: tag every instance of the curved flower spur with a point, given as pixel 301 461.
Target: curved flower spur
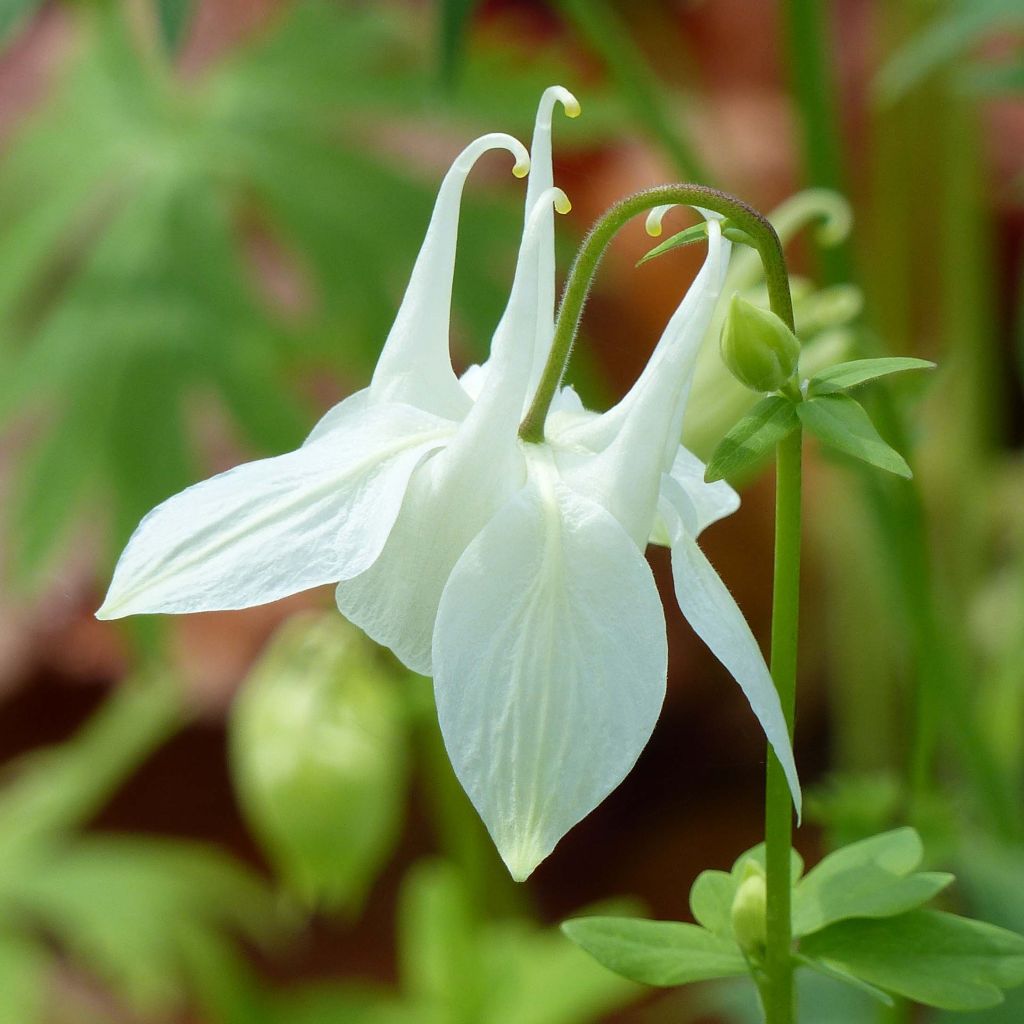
pixel 511 570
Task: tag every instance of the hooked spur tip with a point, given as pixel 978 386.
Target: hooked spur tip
pixel 654 219
pixel 521 168
pixel 559 94
pixel 561 203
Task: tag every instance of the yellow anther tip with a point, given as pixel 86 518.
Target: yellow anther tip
pixel 521 169
pixel 562 204
pixel 573 109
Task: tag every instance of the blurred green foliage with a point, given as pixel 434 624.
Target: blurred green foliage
pixel 144 916
pixel 181 246
pixel 457 968
pixel 135 204
pixel 956 29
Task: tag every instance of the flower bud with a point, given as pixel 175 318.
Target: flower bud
pixel 749 910
pixel 318 756
pixel 759 349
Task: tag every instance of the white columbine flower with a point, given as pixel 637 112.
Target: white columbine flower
pixel 512 572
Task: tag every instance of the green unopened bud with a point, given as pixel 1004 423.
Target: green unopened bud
pixel 749 910
pixel 759 349
pixel 318 753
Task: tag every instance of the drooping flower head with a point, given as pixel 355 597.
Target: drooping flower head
pixel 510 570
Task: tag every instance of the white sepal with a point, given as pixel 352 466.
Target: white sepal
pixel 415 364
pixel 549 665
pixel 455 494
pixel 712 611
pixel 270 528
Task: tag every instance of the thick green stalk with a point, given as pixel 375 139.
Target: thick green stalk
pixel 777 990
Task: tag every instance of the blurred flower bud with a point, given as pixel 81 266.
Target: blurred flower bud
pixel 318 757
pixel 749 909
pixel 757 347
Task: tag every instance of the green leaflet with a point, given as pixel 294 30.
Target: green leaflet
pixel 844 977
pixel 691 235
pixel 757 434
pixel 860 371
pixel 711 899
pixel 934 958
pixel 688 236
pixel 871 878
pixel 656 952
pixel 841 423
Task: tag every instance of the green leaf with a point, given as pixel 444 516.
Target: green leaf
pixel 850 375
pixel 841 423
pixel 937 959
pixel 846 978
pixel 711 899
pixel 693 234
pixel 753 438
pixel 657 952
pixel 870 878
pixel 173 18
pixel 688 236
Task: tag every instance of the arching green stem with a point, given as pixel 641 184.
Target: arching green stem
pixel 581 275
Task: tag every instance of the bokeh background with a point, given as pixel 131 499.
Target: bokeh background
pixel 208 212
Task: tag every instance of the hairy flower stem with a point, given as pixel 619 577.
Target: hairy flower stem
pixel 777 989
pixel 581 275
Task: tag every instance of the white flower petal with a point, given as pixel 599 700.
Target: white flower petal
pixel 716 618
pixel 348 410
pixel 637 439
pixel 454 495
pixel 415 365
pixel 472 380
pixel 450 499
pixel 550 661
pixel 270 528
pixel 541 179
pixel 710 502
